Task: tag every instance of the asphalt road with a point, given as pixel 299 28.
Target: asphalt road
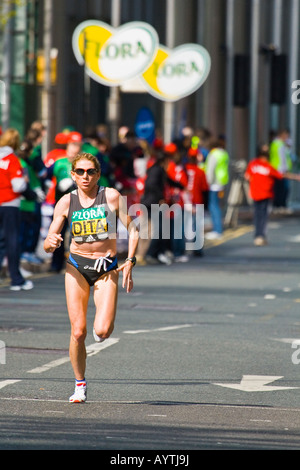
pixel 204 356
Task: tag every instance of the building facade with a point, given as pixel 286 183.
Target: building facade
pixel 254 49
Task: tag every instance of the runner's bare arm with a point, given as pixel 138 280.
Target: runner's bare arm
pixel 54 238
pixel 118 203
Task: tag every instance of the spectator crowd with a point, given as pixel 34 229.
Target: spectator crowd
pixel 192 170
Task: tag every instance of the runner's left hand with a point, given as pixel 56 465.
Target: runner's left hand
pixel 126 268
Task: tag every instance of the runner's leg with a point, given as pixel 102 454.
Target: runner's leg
pixel 77 295
pixel 105 298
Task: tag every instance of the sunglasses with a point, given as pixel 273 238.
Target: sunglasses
pixel 81 171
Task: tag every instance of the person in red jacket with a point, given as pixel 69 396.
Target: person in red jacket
pixel 12 185
pixel 197 189
pixel 261 176
pixel 197 183
pixel 176 198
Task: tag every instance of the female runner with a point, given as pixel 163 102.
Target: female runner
pixel 92 212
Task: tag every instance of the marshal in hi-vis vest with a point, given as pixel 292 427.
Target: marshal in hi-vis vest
pixel 277 150
pixel 221 169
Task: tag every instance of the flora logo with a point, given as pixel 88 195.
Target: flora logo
pixel 112 56
pixel 177 73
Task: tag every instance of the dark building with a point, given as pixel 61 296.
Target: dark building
pixel 254 49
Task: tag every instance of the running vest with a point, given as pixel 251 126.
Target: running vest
pixel 93 223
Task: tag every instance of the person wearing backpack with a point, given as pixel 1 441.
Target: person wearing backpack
pixel 217 175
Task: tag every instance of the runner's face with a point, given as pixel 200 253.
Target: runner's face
pixel 85 180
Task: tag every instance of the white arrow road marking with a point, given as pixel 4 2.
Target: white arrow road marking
pixel 256 383
pixel 91 350
pixel 4 383
pixel 287 340
pixel 165 328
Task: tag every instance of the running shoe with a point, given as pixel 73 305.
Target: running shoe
pixel 80 394
pixel 97 338
pixel 213 236
pixel 164 259
pixel 24 272
pixel 260 241
pixel 26 286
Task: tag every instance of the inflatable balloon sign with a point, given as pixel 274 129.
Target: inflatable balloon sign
pixel 113 56
pixel 177 73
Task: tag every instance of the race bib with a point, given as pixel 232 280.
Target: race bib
pixel 89 225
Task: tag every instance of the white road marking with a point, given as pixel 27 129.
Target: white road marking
pixel 256 383
pixel 50 365
pixel 286 340
pixel 91 350
pixel 166 307
pixel 4 383
pixel 94 348
pixel 165 328
pixel 261 420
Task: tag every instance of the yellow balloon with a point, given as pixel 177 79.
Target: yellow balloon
pixel 90 42
pixel 151 74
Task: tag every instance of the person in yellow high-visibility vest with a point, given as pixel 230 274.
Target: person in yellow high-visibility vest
pixel 280 159
pixel 217 175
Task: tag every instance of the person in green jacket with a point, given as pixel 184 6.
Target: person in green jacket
pixel 280 159
pixel 32 210
pixel 217 175
pixel 30 220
